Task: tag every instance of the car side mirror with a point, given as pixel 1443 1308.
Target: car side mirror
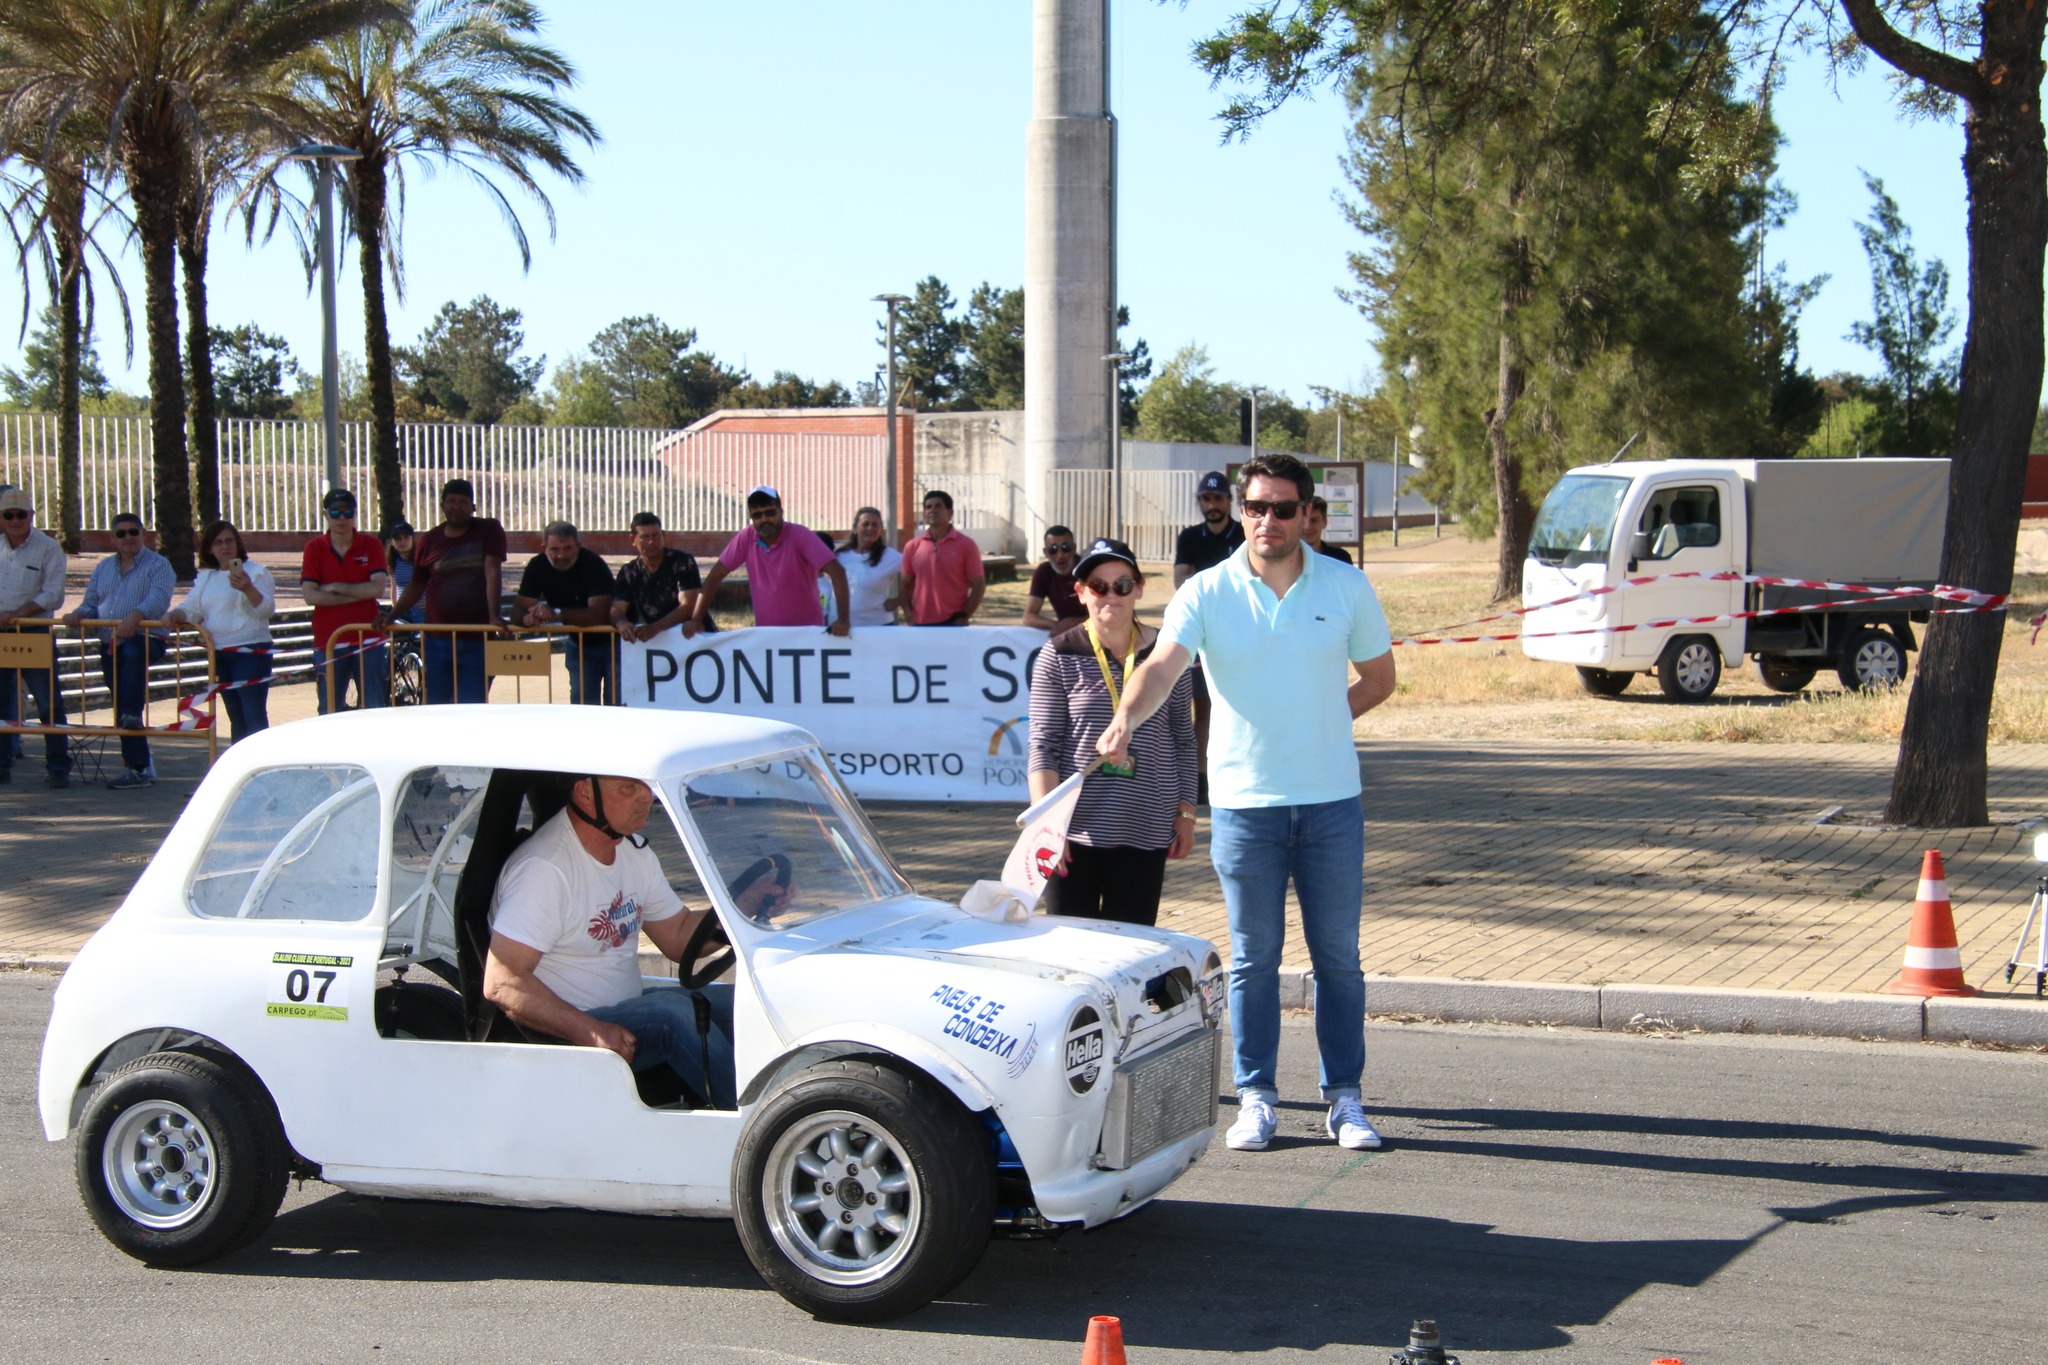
pixel 1638 547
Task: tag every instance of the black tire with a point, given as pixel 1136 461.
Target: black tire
pixel 923 1232
pixel 180 1159
pixel 421 1012
pixel 1872 660
pixel 1690 669
pixel 1605 682
pixel 1783 675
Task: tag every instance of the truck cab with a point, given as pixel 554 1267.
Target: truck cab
pixel 1651 568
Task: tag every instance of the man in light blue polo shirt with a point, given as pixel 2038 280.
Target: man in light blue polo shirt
pixel 1275 626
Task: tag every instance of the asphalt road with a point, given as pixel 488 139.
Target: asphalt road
pixel 1547 1195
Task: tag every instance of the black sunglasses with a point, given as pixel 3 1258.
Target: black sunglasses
pixel 1287 509
pixel 23 516
pixel 1123 587
pixel 1061 547
pixel 131 531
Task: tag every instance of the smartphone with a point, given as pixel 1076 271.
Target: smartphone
pixel 234 566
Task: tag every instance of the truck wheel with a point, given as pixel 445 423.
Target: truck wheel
pixel 1604 682
pixel 1690 669
pixel 862 1193
pixel 1871 661
pixel 180 1159
pixel 1782 675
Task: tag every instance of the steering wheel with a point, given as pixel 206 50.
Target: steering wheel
pixel 776 864
pixel 707 954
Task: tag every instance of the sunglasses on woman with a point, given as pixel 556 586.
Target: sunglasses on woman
pixel 1284 510
pixel 1123 587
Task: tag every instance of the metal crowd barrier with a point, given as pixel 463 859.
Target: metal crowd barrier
pixel 515 652
pixel 30 646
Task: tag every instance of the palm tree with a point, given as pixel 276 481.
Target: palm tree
pixel 158 78
pixel 46 211
pixel 465 84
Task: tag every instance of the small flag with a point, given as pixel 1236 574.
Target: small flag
pixel 1044 841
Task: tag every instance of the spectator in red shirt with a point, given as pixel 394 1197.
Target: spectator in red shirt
pixel 458 568
pixel 942 575
pixel 341 576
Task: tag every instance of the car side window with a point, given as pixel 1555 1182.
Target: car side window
pixel 1681 518
pixel 294 844
pixel 432 831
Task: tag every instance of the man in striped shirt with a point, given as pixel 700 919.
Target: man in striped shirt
pixel 128 587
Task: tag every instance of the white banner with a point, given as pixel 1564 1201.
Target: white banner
pixel 904 714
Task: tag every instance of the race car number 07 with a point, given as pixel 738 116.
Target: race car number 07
pixel 308 986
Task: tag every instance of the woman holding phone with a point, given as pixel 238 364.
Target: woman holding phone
pixel 1128 820
pixel 234 598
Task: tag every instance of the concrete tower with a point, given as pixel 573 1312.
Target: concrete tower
pixel 1069 253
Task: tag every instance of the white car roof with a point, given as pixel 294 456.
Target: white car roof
pixel 615 741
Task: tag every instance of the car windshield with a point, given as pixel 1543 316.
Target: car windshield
pixel 1576 525
pixel 786 841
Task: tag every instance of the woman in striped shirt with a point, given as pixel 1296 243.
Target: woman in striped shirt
pixel 1127 822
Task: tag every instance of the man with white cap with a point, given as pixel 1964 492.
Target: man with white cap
pixel 31 585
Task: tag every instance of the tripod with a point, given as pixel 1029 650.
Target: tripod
pixel 2037 912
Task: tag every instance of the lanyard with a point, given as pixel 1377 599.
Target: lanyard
pixel 1102 659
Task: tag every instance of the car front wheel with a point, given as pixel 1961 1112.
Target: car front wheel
pixel 862 1193
pixel 1690 669
pixel 180 1159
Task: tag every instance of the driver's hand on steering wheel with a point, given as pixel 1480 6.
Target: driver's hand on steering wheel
pixel 764 897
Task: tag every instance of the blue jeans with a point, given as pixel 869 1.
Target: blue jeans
pixel 367 668
pixel 125 666
pixel 590 681
pixel 49 706
pixel 1322 847
pixel 248 708
pixel 454 667
pixel 663 1022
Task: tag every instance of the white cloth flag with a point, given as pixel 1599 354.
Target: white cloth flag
pixel 1032 858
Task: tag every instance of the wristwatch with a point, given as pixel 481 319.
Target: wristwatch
pixel 1187 812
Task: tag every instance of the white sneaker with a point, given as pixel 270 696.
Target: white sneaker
pixel 1349 1125
pixel 1255 1124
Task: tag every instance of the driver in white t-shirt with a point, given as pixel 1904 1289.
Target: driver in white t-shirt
pixel 565 937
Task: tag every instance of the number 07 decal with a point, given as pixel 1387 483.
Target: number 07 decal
pixel 308 986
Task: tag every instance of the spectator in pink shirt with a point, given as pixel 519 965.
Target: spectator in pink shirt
pixel 942 575
pixel 783 562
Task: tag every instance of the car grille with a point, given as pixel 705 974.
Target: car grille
pixel 1159 1098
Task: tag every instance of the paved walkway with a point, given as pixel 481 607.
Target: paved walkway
pixel 1566 862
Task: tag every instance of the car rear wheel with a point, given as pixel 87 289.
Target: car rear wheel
pixel 1872 661
pixel 1604 682
pixel 1690 669
pixel 1782 674
pixel 862 1193
pixel 180 1159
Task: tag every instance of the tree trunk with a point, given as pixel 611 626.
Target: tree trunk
pixel 193 224
pixel 1942 770
pixel 67 218
pixel 153 186
pixel 369 187
pixel 1516 516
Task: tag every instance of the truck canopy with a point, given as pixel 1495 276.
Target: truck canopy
pixel 1858 521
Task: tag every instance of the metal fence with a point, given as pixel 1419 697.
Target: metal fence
pixel 1157 504
pixel 272 472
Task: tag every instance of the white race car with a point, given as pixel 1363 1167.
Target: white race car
pixel 294 988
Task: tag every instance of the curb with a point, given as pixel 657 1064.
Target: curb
pixel 1997 1021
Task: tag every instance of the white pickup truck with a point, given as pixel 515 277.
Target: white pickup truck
pixel 1874 523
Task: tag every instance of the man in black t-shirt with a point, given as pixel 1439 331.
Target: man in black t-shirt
pixel 567 585
pixel 1210 541
pixel 1318 513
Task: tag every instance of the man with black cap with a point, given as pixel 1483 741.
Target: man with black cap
pixel 31 585
pixel 342 575
pixel 458 567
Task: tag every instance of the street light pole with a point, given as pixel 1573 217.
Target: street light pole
pixel 1255 391
pixel 1116 444
pixel 892 302
pixel 323 155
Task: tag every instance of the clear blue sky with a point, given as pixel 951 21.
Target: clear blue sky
pixel 766 170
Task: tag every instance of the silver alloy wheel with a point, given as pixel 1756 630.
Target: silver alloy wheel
pixel 1694 664
pixel 840 1199
pixel 158 1161
pixel 1878 662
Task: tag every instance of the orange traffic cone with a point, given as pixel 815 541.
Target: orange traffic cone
pixel 1105 1344
pixel 1934 963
